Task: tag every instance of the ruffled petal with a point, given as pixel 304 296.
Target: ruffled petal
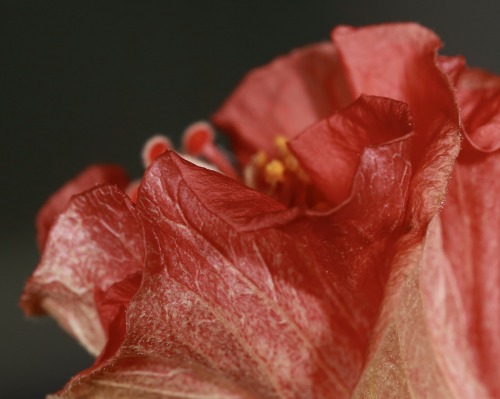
pixel 452 66
pixel 401 362
pixel 478 95
pixel 283 98
pixel 93 175
pixel 135 376
pixel 399 61
pixel 465 316
pixel 382 296
pixel 94 243
pixel 330 151
pixel 216 294
pixel 111 305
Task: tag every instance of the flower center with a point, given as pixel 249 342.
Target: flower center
pixel 282 178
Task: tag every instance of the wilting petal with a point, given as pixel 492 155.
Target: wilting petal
pixel 380 296
pixel 113 301
pixel 399 61
pixel 405 356
pixel 438 333
pixel 217 293
pixel 451 66
pixel 94 243
pixel 93 175
pixel 134 376
pixel 330 150
pixel 478 94
pixel 283 98
pixel 465 317
pixel 401 362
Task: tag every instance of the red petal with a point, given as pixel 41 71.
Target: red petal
pixel 461 283
pixel 134 376
pixel 331 149
pixel 452 67
pixel 478 94
pixel 115 298
pixel 465 316
pixel 283 98
pixel 399 61
pixel 94 243
pixel 93 175
pixel 216 293
pixel 402 361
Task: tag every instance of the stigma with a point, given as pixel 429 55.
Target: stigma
pixel 280 176
pixel 198 147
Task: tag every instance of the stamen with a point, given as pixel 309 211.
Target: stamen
pixel 259 159
pixel 198 139
pixel 280 142
pixel 154 147
pixel 289 160
pixel 283 178
pixel 274 172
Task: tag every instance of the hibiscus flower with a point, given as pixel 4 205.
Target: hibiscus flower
pixel 354 256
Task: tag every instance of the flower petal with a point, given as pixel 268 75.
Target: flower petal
pixel 111 306
pixel 216 294
pixel 478 94
pixel 93 175
pixel 465 317
pixel 330 150
pixel 135 376
pixel 402 362
pixel 460 281
pixel 399 61
pixel 283 98
pixel 94 243
pixel 451 66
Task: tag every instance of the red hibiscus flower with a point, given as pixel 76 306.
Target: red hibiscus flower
pixel 362 261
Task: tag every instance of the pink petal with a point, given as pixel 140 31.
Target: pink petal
pixel 478 94
pixel 216 294
pixel 402 360
pixel 93 175
pixel 451 66
pixel 94 243
pixel 283 98
pixel 399 61
pixel 112 303
pixel 331 149
pixel 465 317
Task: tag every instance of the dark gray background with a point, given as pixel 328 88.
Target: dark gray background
pixel 83 82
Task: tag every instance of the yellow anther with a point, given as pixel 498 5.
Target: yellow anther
pixel 274 172
pixel 280 142
pixel 260 159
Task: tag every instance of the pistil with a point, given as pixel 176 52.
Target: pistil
pixel 198 140
pixel 154 147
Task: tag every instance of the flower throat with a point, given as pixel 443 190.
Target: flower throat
pixel 281 176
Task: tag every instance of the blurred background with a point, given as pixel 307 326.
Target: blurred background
pixel 85 82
